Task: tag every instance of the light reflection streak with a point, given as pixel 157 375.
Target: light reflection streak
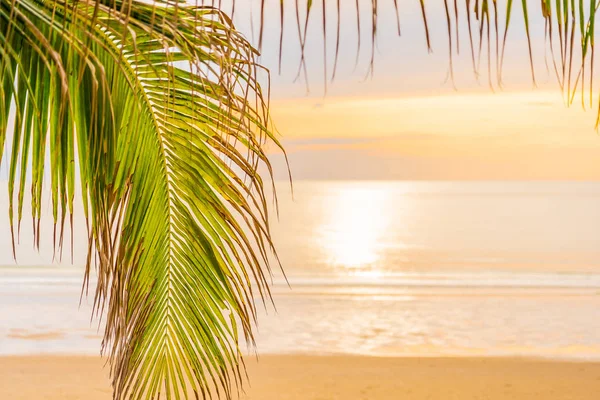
pixel 353 234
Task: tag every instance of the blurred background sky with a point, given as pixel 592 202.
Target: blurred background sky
pixel 407 121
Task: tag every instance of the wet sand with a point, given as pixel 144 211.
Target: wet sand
pixel 331 377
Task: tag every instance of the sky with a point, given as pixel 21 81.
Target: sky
pixel 408 121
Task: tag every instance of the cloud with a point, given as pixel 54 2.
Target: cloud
pixel 541 103
pixel 344 141
pixel 331 141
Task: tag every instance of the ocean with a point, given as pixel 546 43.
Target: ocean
pixel 388 269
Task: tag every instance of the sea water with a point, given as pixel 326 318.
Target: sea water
pixel 388 269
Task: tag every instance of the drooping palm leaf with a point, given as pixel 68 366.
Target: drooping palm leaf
pixel 158 109
pixel 163 107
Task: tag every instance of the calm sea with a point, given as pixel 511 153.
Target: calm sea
pixel 390 268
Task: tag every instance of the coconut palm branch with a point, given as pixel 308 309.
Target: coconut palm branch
pixel 159 113
pixel 157 109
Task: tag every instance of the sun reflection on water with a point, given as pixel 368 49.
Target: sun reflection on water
pixel 353 234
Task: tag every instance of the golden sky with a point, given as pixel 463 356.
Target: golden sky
pixel 516 135
pixel 407 121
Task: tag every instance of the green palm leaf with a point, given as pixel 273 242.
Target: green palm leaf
pixel 158 112
pixel 163 107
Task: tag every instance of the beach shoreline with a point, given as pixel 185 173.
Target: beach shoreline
pixel 309 377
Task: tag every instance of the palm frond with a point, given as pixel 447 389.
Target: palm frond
pixel 568 25
pixel 163 106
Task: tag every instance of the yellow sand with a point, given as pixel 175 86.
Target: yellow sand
pixel 332 377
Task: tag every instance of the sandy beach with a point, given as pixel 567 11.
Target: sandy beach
pixel 331 377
